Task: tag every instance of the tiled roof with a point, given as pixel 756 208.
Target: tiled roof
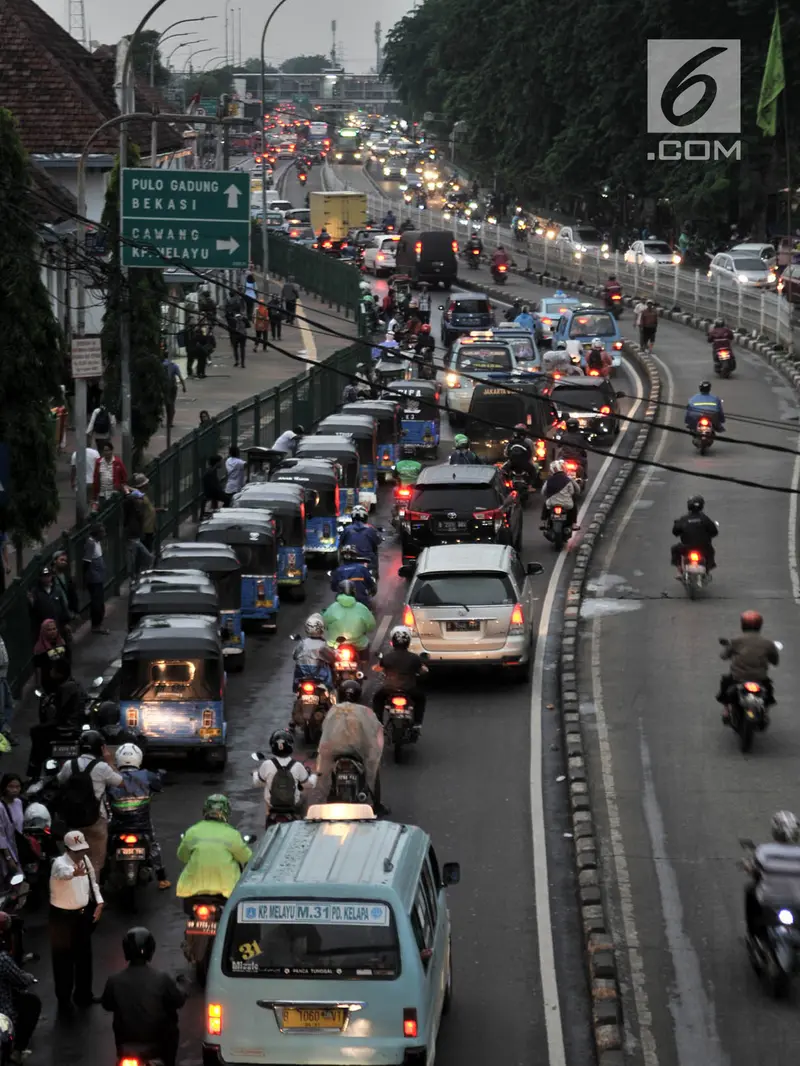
pixel 51 202
pixel 50 83
pixel 169 140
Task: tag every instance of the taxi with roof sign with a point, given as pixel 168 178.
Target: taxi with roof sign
pixel 334 947
pixel 480 356
pixel 547 313
pixel 579 326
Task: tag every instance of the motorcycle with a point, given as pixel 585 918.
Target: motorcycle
pixel 775 953
pixel 614 304
pixel 302 177
pixel 574 470
pixel 349 780
pixel 473 258
pixel 747 707
pixel 401 494
pixel 694 572
pixel 129 864
pixel 499 272
pixel 399 728
pixel 724 360
pixel 203 915
pixel 278 815
pixel 346 664
pixel 703 435
pixel 313 700
pixel 559 526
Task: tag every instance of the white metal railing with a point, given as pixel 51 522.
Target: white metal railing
pixel 755 311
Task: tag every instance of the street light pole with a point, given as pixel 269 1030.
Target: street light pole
pixel 177 48
pixel 198 52
pixel 264 241
pixel 163 37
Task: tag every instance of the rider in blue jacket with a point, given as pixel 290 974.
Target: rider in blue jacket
pixel 361 535
pixel 525 319
pixel 705 404
pixel 350 569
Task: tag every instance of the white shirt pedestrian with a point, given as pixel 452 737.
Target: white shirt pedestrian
pixel 103 776
pixel 92 455
pixel 73 885
pixel 285 442
pixel 235 469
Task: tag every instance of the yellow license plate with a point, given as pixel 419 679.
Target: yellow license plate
pixel 263 603
pixel 312 1018
pixel 209 732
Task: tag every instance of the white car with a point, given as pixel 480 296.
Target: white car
pixel 380 255
pixel 583 241
pixel 764 252
pixel 734 270
pixel 651 252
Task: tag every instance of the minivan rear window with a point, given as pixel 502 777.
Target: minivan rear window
pixel 471 357
pixel 453 497
pixel 312 939
pixel 593 325
pixel 463 590
pixel 471 307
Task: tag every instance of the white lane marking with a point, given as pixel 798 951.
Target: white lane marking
pixel 793 571
pixel 380 632
pixel 544 930
pixel 629 927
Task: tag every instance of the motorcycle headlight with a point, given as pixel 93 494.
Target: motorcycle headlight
pixel 785 917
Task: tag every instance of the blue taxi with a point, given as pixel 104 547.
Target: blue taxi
pixel 579 326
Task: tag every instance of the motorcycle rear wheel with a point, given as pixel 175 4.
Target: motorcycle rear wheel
pixel 745 733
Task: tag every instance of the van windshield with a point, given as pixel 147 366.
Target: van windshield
pixel 312 938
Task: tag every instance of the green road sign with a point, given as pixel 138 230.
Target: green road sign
pixel 198 218
pixel 208 106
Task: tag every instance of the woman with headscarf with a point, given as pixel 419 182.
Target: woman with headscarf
pixel 49 649
pixel 10 822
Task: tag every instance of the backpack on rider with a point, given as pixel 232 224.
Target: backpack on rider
pixel 282 788
pixel 76 804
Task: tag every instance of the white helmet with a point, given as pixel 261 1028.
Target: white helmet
pixel 785 829
pixel 315 625
pixel 597 344
pixel 365 286
pixel 36 816
pixel 390 335
pixel 400 637
pixel 556 466
pixel 128 757
pixel 359 513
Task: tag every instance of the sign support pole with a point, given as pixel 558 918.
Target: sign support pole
pixel 124 304
pixel 81 503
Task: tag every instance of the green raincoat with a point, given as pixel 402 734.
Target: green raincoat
pixel 348 618
pixel 214 854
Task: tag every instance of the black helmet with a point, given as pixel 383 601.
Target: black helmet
pixel 91 743
pixel 281 742
pixel 612 277
pixel 350 691
pixel 138 944
pixel 349 552
pixel 573 425
pixel 705 387
pixel 347 588
pixel 520 430
pixel 298 430
pixel 719 322
pixel 695 504
pixel 107 714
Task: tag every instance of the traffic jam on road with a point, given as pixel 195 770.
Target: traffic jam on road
pixel 340 791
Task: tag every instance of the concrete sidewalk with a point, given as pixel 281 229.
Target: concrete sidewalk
pixel 224 386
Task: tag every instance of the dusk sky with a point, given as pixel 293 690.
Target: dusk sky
pixel 300 27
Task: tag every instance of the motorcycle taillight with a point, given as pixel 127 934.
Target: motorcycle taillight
pixel 308 686
pixel 399 701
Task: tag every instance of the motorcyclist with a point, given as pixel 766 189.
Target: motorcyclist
pixel 350 569
pixel 611 289
pixel 705 404
pixel 401 670
pixel 406 225
pixel 463 454
pixel 323 235
pixel 426 344
pixel 474 241
pixel 519 454
pixel 107 722
pixel 696 530
pixel 389 221
pixel 145 1003
pixel 785 850
pixel 514 310
pixel 557 361
pixel 312 656
pixel 559 490
pixel 720 336
pixel 572 445
pixel 351 727
pixel 525 319
pixel 385 350
pixel 598 358
pixel 364 537
pixel 213 852
pixel 751 656
pixel 267 776
pixel 130 803
pixel 348 618
pixel 500 258
pixel 20 1005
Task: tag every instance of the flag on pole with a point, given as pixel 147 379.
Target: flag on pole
pixel 773 82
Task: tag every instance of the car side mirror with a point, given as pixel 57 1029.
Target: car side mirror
pixel 248 838
pixel 619 395
pixel 441 307
pixel 98 681
pixel 405 571
pixel 424 656
pixel 451 873
pixel 533 569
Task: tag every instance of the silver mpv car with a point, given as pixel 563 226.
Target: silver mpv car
pixel 472 604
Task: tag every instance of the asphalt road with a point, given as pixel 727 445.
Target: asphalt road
pixel 505 998
pixel 672 789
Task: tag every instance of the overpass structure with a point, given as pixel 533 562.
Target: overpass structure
pixel 335 90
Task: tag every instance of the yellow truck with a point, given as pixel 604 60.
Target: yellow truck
pixel 338 212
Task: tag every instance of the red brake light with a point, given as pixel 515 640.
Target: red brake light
pixel 556 375
pixel 214 1019
pixel 327 244
pixel 502 268
pixel 570 464
pixel 704 422
pixel 418 248
pixel 380 256
pixel 605 410
pixel 307 686
pixel 694 558
pixel 547 321
pixel 417 516
pixel 408 618
pixel 617 346
pixel 346 654
pixel 202 911
pixel 594 373
pixel 558 510
pixel 403 494
pixel 129 1062
pixel 455 247
pixel 486 516
pixel 541 449
pixel 751 686
pixel 399 701
pixel 517 617
pixel 130 838
pixel 616 296
pixel 410 1023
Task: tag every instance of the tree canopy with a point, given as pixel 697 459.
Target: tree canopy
pixel 142 51
pixel 554 97
pixel 32 361
pixel 306 65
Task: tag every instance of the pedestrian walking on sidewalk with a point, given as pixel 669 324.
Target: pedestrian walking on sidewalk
pixel 45 603
pixel 6 698
pixel 75 908
pixel 101 424
pixel 149 512
pixel 290 294
pixel 250 296
pixel 275 316
pixel 94 576
pixel 212 487
pixel 133 515
pixel 261 326
pixel 235 469
pixel 109 475
pixel 174 377
pixel 236 319
pixel 92 455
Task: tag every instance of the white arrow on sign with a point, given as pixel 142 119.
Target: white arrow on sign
pixel 233 195
pixel 227 246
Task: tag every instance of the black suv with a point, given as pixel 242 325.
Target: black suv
pixel 457 505
pixel 465 312
pixel 593 401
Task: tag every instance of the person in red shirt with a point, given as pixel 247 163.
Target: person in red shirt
pixel 109 474
pixel 720 333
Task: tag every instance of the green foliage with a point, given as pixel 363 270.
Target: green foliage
pixel 32 350
pixel 142 298
pixel 554 98
pixel 306 65
pixel 142 52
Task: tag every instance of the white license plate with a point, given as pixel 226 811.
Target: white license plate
pixel 467 626
pixel 309 699
pixel 346 666
pixel 64 751
pixel 202 928
pixel 131 853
